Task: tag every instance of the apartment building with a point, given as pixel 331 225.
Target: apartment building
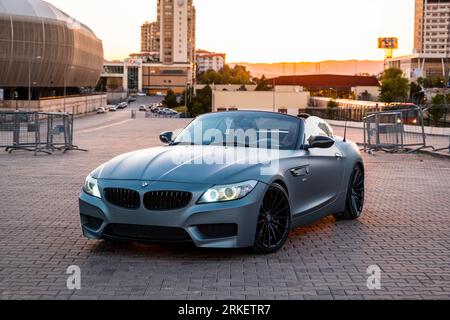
pixel 206 60
pixel 177 31
pixel 432 27
pixel 150 37
pixel 431 56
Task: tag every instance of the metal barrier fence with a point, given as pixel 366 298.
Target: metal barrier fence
pixel 447 148
pixel 37 132
pixel 433 116
pixel 395 130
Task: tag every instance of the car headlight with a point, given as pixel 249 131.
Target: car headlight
pixel 91 187
pixel 227 192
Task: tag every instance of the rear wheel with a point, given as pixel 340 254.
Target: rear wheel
pixel 355 196
pixel 274 221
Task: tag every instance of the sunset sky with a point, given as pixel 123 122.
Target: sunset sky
pixel 261 30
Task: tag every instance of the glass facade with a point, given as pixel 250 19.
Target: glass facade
pixel 133 78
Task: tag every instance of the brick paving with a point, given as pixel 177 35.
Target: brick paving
pixel 405 230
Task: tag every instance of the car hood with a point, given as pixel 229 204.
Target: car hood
pixel 190 164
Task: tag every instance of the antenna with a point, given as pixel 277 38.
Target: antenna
pixel 345 129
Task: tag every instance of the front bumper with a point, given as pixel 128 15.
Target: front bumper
pixel 98 217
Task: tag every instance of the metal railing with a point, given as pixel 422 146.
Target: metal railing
pixel 37 132
pixel 395 130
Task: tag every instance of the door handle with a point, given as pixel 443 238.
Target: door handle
pixel 338 155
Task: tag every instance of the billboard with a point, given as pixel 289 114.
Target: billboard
pixel 387 43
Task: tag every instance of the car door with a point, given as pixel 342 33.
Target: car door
pixel 319 173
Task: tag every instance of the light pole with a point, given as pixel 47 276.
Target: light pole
pixel 273 90
pixel 65 93
pixel 29 79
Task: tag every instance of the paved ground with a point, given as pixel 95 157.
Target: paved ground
pixel 405 230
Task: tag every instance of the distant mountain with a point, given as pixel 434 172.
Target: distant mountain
pixel 347 67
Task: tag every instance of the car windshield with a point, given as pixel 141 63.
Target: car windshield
pixel 243 129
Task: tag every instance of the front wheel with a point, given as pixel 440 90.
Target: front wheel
pixel 274 221
pixel 355 196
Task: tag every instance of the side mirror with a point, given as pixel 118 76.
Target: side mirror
pixel 166 137
pixel 320 142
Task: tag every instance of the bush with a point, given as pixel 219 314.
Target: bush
pixel 332 104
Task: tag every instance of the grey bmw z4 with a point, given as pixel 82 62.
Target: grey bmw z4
pixel 228 180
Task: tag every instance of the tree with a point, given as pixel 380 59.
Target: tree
pixel 170 100
pixel 202 103
pixel 262 84
pixel 437 108
pixel 236 75
pixel 197 108
pixel 394 86
pixel 416 93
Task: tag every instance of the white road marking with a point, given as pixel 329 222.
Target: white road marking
pixel 106 126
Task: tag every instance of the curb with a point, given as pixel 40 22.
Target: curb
pixel 438 155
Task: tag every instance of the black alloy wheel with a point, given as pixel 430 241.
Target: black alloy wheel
pixel 355 196
pixel 274 221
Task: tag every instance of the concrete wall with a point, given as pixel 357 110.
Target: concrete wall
pixel 116 97
pixel 75 105
pixel 260 100
pixel 226 87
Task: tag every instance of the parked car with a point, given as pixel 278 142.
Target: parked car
pixel 154 196
pixel 113 109
pixel 132 99
pixel 142 94
pixel 122 105
pixel 142 108
pixel 101 110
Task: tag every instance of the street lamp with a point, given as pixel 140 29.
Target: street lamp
pixel 29 79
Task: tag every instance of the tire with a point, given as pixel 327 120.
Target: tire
pixel 354 204
pixel 274 221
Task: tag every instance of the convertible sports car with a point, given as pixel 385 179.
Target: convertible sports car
pixel 228 180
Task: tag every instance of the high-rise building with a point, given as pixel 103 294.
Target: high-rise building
pixel 431 56
pixel 177 31
pixel 150 37
pixel 432 27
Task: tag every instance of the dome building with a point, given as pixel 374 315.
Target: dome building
pixel 44 48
